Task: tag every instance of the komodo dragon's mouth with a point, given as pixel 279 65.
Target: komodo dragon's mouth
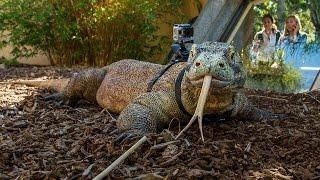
pixel 216 81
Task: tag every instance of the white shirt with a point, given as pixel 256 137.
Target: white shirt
pixel 267 48
pixel 269 45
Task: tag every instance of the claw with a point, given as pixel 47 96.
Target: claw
pixel 198 114
pixel 56 96
pixel 59 99
pixel 60 103
pixel 278 117
pixel 127 136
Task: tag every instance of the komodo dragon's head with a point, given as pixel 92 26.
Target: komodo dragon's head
pixel 215 66
pixel 219 60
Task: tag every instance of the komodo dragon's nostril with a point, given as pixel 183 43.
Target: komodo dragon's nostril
pixel 221 65
pixel 197 64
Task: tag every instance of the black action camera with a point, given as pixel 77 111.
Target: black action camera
pixel 182 34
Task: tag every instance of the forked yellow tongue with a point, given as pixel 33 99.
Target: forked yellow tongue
pixel 198 113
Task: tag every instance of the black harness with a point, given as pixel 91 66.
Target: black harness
pixel 177 91
pixel 160 73
pixel 212 117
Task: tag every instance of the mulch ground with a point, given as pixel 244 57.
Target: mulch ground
pixel 40 139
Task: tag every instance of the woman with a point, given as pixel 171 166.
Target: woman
pixel 293 41
pixel 292 31
pixel 265 41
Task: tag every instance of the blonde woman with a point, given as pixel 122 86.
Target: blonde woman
pixel 292 31
pixel 293 40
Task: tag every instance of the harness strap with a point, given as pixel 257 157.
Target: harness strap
pixel 178 91
pixel 160 73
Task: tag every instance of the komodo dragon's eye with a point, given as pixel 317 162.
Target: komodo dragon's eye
pixel 191 54
pixel 230 54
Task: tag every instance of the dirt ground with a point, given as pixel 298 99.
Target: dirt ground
pixel 40 139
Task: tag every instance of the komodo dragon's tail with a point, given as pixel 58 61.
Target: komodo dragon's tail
pixel 56 84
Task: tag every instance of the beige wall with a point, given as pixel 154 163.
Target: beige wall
pixel 40 59
pixel 189 9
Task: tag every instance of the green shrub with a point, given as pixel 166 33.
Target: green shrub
pixel 288 80
pixel 9 62
pixel 93 32
pixel 272 75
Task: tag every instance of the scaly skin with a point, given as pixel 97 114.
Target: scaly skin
pixel 122 88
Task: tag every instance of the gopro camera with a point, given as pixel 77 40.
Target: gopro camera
pixel 183 33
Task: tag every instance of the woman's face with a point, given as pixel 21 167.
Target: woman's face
pixel 291 24
pixel 267 23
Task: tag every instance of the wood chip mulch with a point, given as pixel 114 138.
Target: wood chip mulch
pixel 43 140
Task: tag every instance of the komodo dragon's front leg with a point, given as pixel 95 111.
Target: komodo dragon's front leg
pixel 243 109
pixel 148 113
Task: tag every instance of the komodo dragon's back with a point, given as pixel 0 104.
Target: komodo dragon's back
pixel 127 79
pixel 113 86
pixel 124 81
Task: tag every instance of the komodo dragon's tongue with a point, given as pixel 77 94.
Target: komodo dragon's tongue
pixel 200 106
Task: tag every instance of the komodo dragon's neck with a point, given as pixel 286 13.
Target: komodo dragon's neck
pixel 218 101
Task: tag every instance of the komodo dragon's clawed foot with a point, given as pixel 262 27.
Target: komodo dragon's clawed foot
pixel 272 116
pixel 263 115
pixel 55 97
pixel 59 99
pixel 125 137
pixel 269 116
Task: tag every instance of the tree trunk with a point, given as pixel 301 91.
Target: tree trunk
pixel 315 15
pixel 281 14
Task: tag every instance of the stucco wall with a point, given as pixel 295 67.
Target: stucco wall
pixel 40 59
pixel 190 10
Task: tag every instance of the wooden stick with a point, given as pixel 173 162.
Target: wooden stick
pixel 313 97
pixel 120 159
pixel 239 23
pixel 163 145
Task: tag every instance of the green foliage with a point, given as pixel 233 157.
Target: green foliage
pixel 93 32
pixel 289 80
pixel 9 62
pixel 272 75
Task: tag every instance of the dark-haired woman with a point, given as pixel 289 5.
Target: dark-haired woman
pixel 266 40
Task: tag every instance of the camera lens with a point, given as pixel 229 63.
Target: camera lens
pixel 189 32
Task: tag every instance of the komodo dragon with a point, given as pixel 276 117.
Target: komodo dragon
pixel 121 88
